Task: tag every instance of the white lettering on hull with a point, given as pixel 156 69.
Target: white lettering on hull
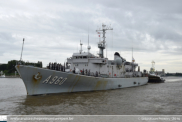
pixel 62 81
pixel 59 80
pixel 47 80
pixel 55 80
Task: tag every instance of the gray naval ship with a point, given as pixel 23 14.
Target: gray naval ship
pixel 86 72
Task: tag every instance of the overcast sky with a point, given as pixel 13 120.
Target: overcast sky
pixel 53 29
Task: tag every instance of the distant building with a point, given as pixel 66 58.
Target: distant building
pixel 161 73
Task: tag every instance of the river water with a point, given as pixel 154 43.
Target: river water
pixel 152 99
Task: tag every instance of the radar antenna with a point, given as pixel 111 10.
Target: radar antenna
pixel 102 44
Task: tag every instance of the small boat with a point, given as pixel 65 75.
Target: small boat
pixel 154 78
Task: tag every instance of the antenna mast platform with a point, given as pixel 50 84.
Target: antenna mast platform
pixel 102 44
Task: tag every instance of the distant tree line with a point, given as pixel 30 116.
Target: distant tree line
pixel 9 68
pixel 173 74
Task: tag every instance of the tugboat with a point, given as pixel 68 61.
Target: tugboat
pixel 83 72
pixel 154 78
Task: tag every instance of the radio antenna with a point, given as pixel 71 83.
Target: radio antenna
pixel 88 36
pixel 88 47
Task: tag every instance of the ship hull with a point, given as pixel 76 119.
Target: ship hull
pixel 155 79
pixel 45 81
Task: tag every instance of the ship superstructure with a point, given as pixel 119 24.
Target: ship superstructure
pixel 117 68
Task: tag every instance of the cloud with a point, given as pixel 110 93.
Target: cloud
pixel 53 29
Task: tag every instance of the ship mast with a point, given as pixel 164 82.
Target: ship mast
pixel 102 44
pixel 88 47
pixel 153 66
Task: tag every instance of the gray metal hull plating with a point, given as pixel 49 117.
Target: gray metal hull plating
pixel 46 81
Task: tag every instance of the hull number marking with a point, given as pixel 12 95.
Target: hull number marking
pixel 55 80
